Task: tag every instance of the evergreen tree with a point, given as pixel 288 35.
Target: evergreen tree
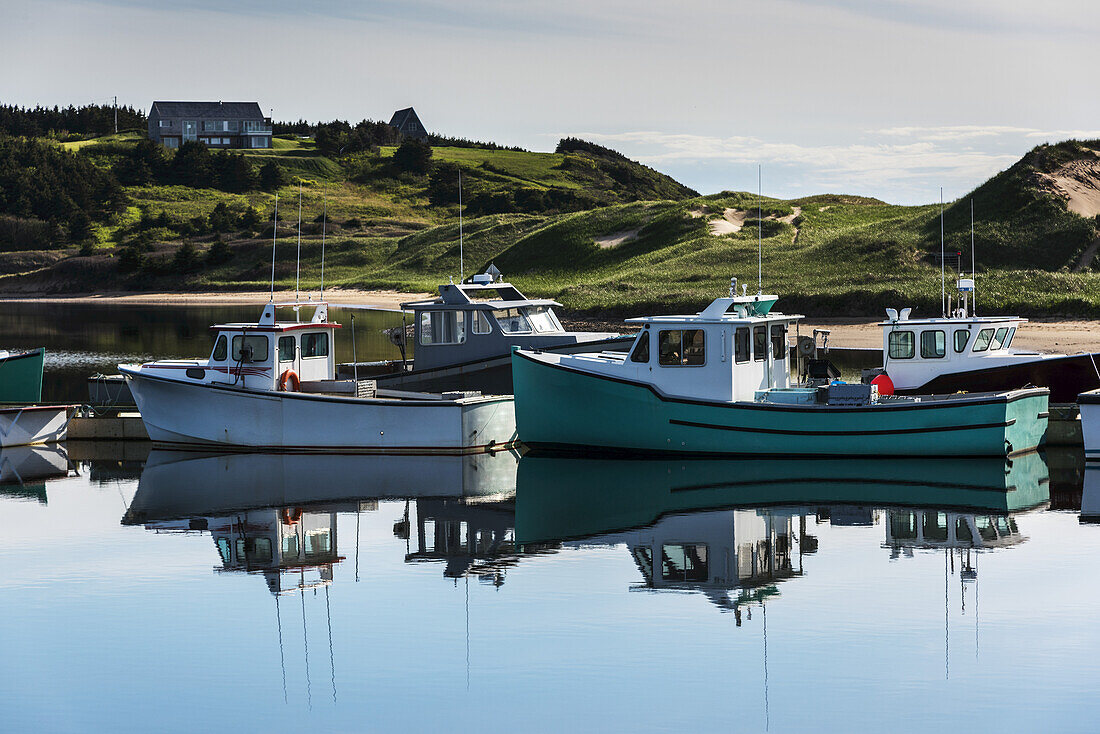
pixel 271 176
pixel 413 156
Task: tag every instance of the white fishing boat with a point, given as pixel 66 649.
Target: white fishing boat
pixel 271 385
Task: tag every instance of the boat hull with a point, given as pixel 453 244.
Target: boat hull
pixel 561 407
pixel 21 377
pixel 1090 423
pixel 1065 377
pixel 34 424
pixel 187 413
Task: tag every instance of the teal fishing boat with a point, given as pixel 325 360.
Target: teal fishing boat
pixel 718 383
pixel 21 376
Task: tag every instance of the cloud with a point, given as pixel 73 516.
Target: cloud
pixel 953 132
pixel 1065 134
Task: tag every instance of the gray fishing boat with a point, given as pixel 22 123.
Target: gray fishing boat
pixel 463 339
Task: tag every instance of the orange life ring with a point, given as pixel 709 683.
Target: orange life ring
pixel 291 517
pixel 288 377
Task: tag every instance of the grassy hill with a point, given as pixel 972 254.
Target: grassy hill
pixel 588 227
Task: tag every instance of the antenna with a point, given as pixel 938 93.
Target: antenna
pixel 274 233
pixel 759 234
pixel 324 227
pixel 973 269
pixel 943 283
pixel 461 258
pixel 116 114
pixel 298 272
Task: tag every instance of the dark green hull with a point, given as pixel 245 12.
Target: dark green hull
pixel 21 377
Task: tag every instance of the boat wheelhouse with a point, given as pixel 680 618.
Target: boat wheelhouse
pixel 271 385
pixel 965 352
pixel 718 382
pixel 463 338
pixel 1089 403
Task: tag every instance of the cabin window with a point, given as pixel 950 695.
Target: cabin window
pixel 315 344
pixel 643 556
pixel 641 348
pixel 254 550
pixel 902 345
pixel 513 321
pixel 935 526
pixel 1008 339
pixel 220 349
pixel 933 344
pixel 962 531
pixel 962 338
pixel 223 550
pixel 985 527
pixel 685 347
pixel 760 343
pixel 999 338
pixel 981 341
pixel 255 344
pixel 286 349
pixel 684 563
pixel 741 344
pixel 903 525
pixel 542 319
pixel 779 342
pixel 442 327
pixel 481 323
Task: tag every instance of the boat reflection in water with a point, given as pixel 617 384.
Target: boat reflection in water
pixel 275 514
pixel 1090 493
pixel 732 530
pixel 25 469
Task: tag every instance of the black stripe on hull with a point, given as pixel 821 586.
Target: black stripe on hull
pixel 1065 377
pixel 898 431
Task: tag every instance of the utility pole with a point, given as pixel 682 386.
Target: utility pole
pixel 116 114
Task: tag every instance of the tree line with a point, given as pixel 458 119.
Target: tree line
pixel 195 165
pixel 66 122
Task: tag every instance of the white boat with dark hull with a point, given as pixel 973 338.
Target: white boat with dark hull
pixel 963 352
pixel 270 385
pixel 464 338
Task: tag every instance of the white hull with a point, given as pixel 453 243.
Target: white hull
pixel 33 424
pixel 192 413
pixel 1090 428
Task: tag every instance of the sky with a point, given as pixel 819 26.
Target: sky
pixel 886 98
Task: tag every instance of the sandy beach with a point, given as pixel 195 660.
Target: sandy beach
pixel 378 299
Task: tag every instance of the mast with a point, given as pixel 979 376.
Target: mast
pixel 298 271
pixel 943 275
pixel 461 259
pixel 973 269
pixel 324 227
pixel 759 233
pixel 274 232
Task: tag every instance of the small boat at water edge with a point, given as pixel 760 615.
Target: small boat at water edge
pixel 34 424
pixel 21 375
pixel 270 385
pixel 718 382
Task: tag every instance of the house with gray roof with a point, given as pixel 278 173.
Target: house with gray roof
pixel 218 124
pixel 408 124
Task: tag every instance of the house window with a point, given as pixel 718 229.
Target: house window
pixel 760 343
pixel 901 345
pixel 481 323
pixel 981 341
pixel 741 344
pixel 442 327
pixel 779 342
pixel 315 344
pixel 166 123
pixel 682 348
pixel 641 348
pixel 962 337
pixel 260 143
pixel 220 349
pixel 171 142
pixel 209 126
pixel 933 344
pixel 231 126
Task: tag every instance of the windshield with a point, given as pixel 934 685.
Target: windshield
pixel 513 321
pixel 542 319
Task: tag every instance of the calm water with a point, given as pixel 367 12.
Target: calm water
pixel 187 592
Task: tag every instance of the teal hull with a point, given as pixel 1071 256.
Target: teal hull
pixel 21 377
pixel 560 407
pixel 565 498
